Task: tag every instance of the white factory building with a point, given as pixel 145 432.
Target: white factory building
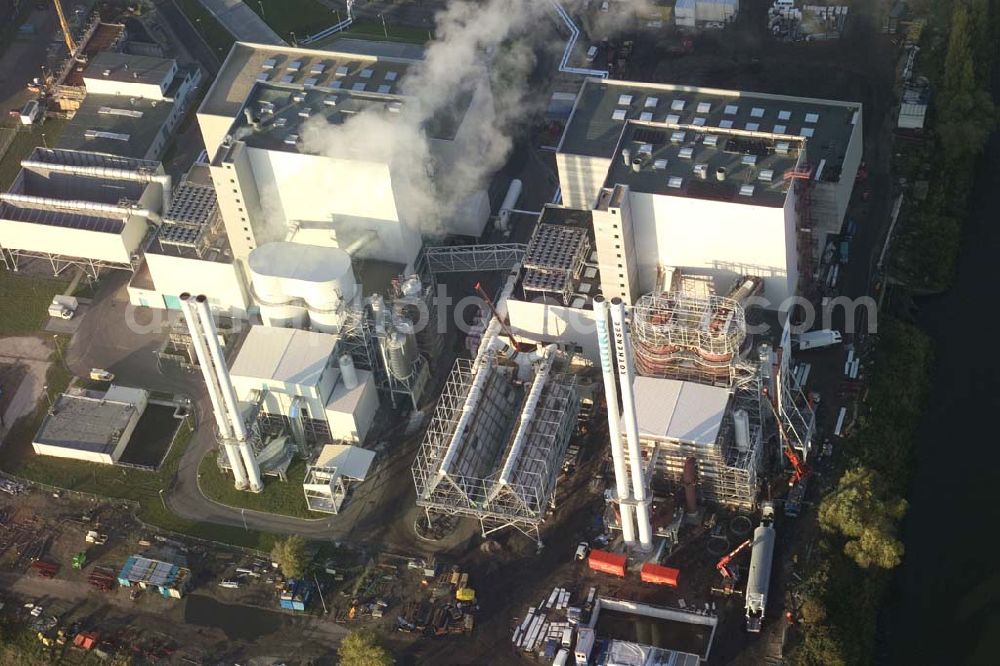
pixel 87 209
pixel 276 180
pixel 717 182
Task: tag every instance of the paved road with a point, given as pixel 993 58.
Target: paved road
pixel 23 60
pixel 242 22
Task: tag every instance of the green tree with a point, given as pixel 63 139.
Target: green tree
pixel 290 555
pixel 362 648
pixel 860 510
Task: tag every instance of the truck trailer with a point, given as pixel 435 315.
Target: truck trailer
pixel 817 339
pixel 759 578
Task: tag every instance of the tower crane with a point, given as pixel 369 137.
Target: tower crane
pixel 67 35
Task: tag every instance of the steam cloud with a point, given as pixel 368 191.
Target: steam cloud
pixel 473 41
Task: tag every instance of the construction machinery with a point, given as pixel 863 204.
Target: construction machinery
pixel 730 576
pixel 64 25
pixel 503 323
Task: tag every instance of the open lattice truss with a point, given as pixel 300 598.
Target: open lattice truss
pixel 675 333
pixel 495 445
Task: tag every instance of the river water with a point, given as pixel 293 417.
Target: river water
pixel 944 607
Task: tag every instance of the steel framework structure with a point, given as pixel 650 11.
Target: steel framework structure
pixel 470 258
pixel 12 261
pixel 494 448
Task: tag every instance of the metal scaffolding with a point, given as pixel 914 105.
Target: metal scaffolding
pixel 495 445
pixel 470 258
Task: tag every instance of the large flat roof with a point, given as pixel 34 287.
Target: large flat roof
pixel 611 115
pixel 124 67
pixel 288 355
pixel 115 124
pixel 85 423
pixel 677 410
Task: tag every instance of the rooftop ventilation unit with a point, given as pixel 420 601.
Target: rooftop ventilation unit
pixel 746 190
pixel 305 112
pixel 624 100
pixel 766 175
pixel 749 160
pixel 677 105
pixel 331 100
pixel 394 107
pixel 660 164
pixel 782 147
pixel 128 113
pixel 677 137
pixel 280 122
pixel 675 182
pixel 646 148
pixel 711 140
pixel 685 153
pixel 310 82
pixel 720 174
pixel 701 170
pixel 291 139
pixel 100 134
pixel 298 97
pixel 704 107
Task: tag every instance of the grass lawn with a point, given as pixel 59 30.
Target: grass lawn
pixel 302 17
pixel 372 30
pixel 142 487
pixel 23 144
pixel 279 497
pixel 24 302
pixel 215 35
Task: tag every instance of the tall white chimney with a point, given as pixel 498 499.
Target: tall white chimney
pixel 626 373
pixel 211 338
pixel 214 393
pixel 614 416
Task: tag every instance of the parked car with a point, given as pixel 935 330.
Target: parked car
pixel 582 550
pixel 101 375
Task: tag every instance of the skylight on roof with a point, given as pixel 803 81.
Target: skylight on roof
pixel 812 118
pixel 711 140
pixel 748 160
pixel 673 118
pixel 726 124
pixel 645 116
pixel 807 132
pixel 677 137
pixel 784 115
pixel 675 182
pixel 756 112
pixel 391 75
pixel 366 73
pixel 333 84
pixel 331 100
pixel 651 102
pixel 782 147
pixel 618 114
pixel 677 105
pixel 263 76
pixel 291 139
pixel 731 109
pixel 310 81
pixel 698 121
pixel 269 63
pixel 342 70
pixel 624 100
pixel 358 87
pixel 294 66
pixel 384 89
pixel 660 164
pixel 704 107
pixel 685 153
pixel 318 68
pixel 288 78
pixel 766 175
pixel 752 127
pixel 780 129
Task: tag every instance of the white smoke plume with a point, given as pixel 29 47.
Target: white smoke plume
pixel 489 47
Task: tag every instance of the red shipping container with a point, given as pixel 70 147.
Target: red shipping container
pixel 654 573
pixel 605 562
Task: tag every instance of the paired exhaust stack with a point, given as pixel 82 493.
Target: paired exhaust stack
pixel 225 406
pixel 634 504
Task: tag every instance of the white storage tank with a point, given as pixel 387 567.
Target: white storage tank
pixel 291 280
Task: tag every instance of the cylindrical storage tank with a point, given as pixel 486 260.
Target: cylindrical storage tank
pixel 741 422
pixel 402 352
pixel 347 371
pixel 292 279
pixel 509 202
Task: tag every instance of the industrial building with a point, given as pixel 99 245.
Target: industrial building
pixel 132 105
pixel 91 426
pixel 76 208
pixel 717 182
pixel 257 119
pixel 495 445
pixel 329 479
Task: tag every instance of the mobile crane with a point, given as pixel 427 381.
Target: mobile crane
pixel 730 576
